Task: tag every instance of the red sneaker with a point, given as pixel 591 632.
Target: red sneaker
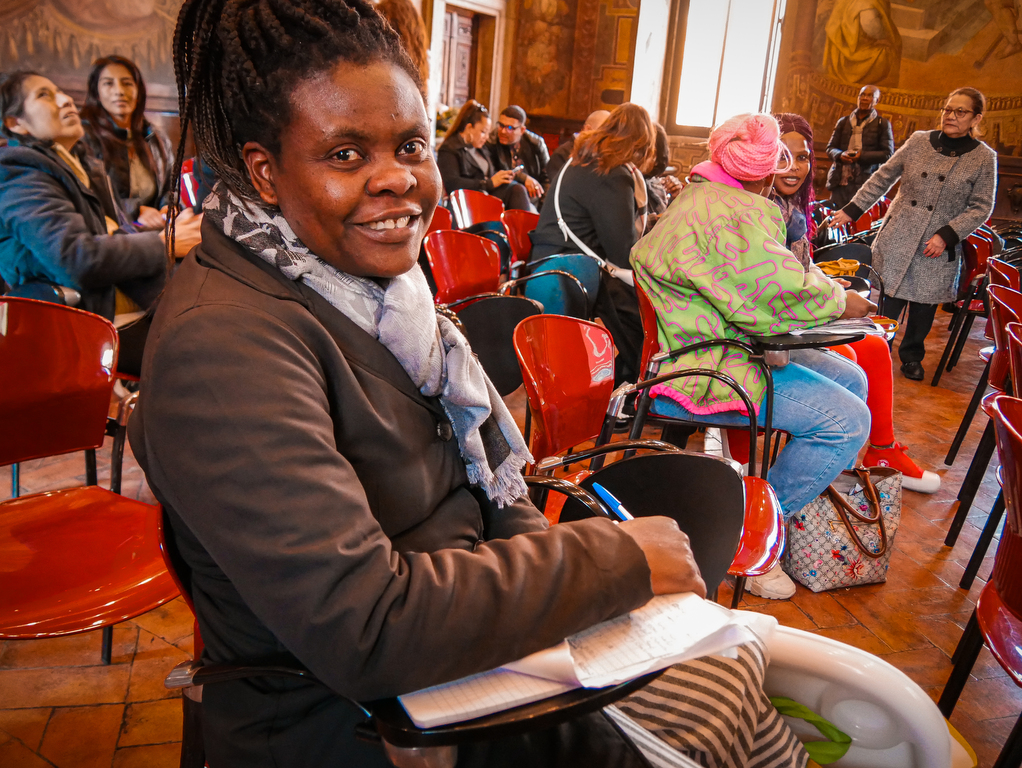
pixel 913 478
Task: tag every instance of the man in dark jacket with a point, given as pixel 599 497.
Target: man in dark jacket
pixel 861 143
pixel 517 147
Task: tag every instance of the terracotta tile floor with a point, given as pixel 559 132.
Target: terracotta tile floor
pixel 60 707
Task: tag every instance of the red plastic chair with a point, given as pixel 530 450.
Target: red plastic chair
pixel 518 225
pixel 470 207
pixel 78 559
pixel 463 265
pixel 1005 308
pixel 998 273
pixel 568 371
pixel 997 619
pixel 977 251
pixel 441 220
pixel 466 267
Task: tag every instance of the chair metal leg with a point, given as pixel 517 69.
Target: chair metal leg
pixel 1011 752
pixel 117 459
pixel 967 652
pixel 106 652
pixel 970 414
pixel 963 336
pixel 992 523
pixel 193 752
pixel 15 480
pixel 736 598
pixel 972 481
pixel 91 478
pixel 956 325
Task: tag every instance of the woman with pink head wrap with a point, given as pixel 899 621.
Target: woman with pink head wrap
pixel 716 267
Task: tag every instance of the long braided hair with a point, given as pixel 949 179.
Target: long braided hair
pixel 237 63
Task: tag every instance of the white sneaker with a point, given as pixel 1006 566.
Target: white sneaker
pixel 928 483
pixel 773 585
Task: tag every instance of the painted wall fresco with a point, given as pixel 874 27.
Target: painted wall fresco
pixel 916 50
pixel 61 38
pixel 572 56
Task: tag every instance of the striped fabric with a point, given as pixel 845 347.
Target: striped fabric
pixel 714 711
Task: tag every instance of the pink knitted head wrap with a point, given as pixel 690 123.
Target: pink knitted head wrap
pixel 747 146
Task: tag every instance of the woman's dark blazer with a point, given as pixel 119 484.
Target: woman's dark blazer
pixel 53 229
pixel 326 515
pixel 459 170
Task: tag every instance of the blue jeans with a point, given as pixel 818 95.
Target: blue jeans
pixel 820 400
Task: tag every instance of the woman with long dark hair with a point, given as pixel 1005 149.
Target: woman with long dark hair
pixel 948 184
pixel 137 155
pixel 465 163
pixel 602 197
pixel 793 192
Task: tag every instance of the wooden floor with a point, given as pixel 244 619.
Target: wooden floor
pixel 60 707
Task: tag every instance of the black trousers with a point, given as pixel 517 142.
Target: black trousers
pixel 618 308
pixel 920 320
pixel 842 196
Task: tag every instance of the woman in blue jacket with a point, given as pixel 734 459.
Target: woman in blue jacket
pixel 59 223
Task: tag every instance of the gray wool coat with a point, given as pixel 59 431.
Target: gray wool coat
pixel 943 191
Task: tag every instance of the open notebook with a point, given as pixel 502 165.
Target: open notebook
pixel 667 630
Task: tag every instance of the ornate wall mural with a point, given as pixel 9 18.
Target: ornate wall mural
pixel 61 38
pixel 915 50
pixel 573 56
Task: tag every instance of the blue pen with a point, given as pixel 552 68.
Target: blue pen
pixel 616 506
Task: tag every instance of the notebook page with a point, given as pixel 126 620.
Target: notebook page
pixel 663 630
pixel 477 695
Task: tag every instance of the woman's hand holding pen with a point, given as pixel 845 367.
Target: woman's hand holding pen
pixel 672 567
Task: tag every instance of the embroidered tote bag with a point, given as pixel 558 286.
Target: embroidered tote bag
pixel 845 536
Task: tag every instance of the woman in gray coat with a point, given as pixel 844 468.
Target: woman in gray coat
pixel 948 179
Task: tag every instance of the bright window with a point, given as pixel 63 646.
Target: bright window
pixel 728 60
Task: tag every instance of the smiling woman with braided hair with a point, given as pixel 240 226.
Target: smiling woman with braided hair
pixel 337 473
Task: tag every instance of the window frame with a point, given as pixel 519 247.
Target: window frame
pixel 675 54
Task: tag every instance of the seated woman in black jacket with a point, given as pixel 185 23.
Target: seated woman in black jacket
pixel 602 196
pixel 465 163
pixel 56 210
pixel 136 155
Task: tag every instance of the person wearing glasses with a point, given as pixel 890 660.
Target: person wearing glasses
pixel 515 147
pixel 464 162
pixel 948 182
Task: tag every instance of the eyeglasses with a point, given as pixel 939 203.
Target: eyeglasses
pixel 959 113
pixel 507 126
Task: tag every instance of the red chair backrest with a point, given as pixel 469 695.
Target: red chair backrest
pixel 518 225
pixel 57 369
pixel 463 264
pixel 1008 428
pixel 1003 273
pixel 568 371
pixel 1005 307
pixel 472 207
pixel 1015 355
pixel 650 331
pixel 441 220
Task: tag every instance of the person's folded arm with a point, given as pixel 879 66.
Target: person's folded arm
pixel 886 146
pixel 240 441
pixel 44 220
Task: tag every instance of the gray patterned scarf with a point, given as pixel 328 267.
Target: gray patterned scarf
pixel 432 351
pixel 850 171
